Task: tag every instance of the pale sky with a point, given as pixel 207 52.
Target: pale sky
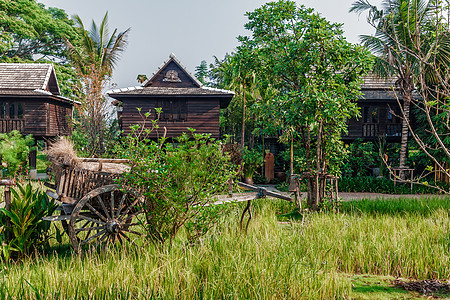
pixel 194 30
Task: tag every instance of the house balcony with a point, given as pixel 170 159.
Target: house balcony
pixel 394 130
pixel 8 125
pixel 370 129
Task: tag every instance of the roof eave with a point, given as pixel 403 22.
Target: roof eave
pixel 172 96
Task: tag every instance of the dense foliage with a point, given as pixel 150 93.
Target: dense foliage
pixel 177 180
pixel 14 150
pixel 252 159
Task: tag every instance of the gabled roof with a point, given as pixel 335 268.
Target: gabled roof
pixel 28 77
pixel 168 82
pixel 172 58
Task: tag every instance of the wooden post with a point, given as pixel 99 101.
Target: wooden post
pixel 8 208
pixel 32 159
pixel 292 158
pixel 230 187
pixel 269 166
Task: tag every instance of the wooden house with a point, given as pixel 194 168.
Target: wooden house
pixel 30 101
pixel 185 102
pixel 380 112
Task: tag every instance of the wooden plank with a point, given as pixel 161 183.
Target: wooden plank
pixel 60 186
pixel 104 160
pixel 52 194
pixel 264 191
pixel 57 218
pixel 68 200
pixel 240 198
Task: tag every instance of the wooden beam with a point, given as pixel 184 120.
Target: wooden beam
pixel 104 160
pixel 265 191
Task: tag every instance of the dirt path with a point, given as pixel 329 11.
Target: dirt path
pixel 359 196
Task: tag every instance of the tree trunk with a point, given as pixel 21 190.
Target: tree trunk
pixel 292 158
pixel 243 121
pixel 317 189
pixel 405 131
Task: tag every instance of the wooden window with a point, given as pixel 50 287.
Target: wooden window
pixel 20 110
pixel 172 110
pixel 2 110
pixel 374 114
pixel 392 115
pixel 366 114
pixel 371 114
pixel 10 110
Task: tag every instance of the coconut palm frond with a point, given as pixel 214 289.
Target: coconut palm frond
pixel 374 44
pixel 103 33
pixel 115 50
pixel 98 47
pixel 361 6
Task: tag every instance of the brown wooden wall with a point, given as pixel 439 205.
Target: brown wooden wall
pixel 59 117
pixel 201 114
pixel 35 115
pixel 42 117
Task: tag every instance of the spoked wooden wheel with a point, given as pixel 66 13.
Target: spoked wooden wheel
pixel 105 215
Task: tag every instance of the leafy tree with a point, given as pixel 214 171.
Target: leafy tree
pixel 94 61
pixel 201 72
pixel 28 29
pixel 29 32
pixel 314 76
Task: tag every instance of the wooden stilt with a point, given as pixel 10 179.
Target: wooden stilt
pixel 247 208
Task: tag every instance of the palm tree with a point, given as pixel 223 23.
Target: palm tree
pixel 98 47
pixel 95 59
pixel 141 78
pixel 400 27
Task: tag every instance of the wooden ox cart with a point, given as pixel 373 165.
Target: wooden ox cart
pixel 93 209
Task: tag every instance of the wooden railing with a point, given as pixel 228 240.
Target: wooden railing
pixel 370 129
pixel 394 130
pixel 7 125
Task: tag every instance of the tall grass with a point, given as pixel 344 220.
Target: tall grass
pixel 309 259
pixel 423 206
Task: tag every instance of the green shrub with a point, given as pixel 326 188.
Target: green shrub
pixel 178 181
pixel 27 231
pixel 362 157
pixel 253 158
pixel 14 150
